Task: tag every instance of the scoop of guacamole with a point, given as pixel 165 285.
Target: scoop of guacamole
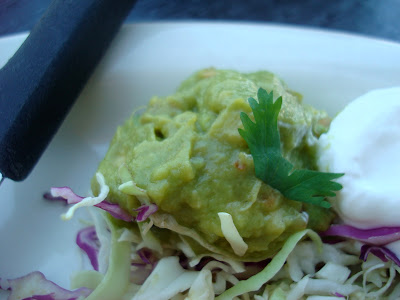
pixel 184 153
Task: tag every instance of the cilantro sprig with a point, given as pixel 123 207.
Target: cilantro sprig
pixel 262 137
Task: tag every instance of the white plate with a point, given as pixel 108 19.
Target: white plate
pixel 328 68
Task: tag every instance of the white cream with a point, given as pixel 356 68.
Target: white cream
pixel 364 143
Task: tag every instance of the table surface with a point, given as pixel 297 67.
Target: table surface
pixel 374 18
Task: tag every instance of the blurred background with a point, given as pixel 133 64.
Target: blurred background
pixel 374 18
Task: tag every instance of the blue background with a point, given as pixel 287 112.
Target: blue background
pixel 375 18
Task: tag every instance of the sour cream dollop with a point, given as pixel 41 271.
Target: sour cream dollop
pixel 364 143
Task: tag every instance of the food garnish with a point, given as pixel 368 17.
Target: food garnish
pixel 262 137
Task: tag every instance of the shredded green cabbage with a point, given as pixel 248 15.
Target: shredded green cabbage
pixel 89 201
pixel 202 287
pixel 167 280
pixel 231 234
pixel 255 282
pixel 116 280
pixel 292 274
pixel 300 270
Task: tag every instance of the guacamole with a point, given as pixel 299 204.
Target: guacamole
pixel 184 154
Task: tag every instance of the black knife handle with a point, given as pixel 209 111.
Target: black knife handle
pixel 39 84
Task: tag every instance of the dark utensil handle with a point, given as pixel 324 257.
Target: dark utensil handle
pixel 40 82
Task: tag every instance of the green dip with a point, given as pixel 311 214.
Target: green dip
pixel 186 153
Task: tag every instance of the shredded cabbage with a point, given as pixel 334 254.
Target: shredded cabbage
pixel 301 270
pixel 237 266
pixel 87 240
pixel 86 278
pixel 373 236
pixel 130 188
pixel 134 263
pixel 333 272
pixel 231 234
pixel 145 211
pixel 66 194
pixel 116 280
pixel 202 287
pixel 255 282
pixel 36 286
pixel 166 280
pixel 89 201
pixel 383 253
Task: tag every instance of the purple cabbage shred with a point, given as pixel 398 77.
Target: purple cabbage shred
pixel 147 256
pixel 66 194
pixel 381 252
pixel 143 266
pixel 145 211
pixel 35 286
pixel 374 236
pixel 87 240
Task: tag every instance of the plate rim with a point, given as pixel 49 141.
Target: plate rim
pixel 245 23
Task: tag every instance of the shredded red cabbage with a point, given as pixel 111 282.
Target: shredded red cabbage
pixel 143 267
pixel 115 210
pixel 48 196
pixel 339 295
pixel 145 211
pixel 381 252
pixel 87 240
pixel 375 236
pixel 63 193
pixel 66 194
pixel 36 284
pixel 51 296
pixel 147 256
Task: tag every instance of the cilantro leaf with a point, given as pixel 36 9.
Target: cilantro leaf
pixel 262 137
